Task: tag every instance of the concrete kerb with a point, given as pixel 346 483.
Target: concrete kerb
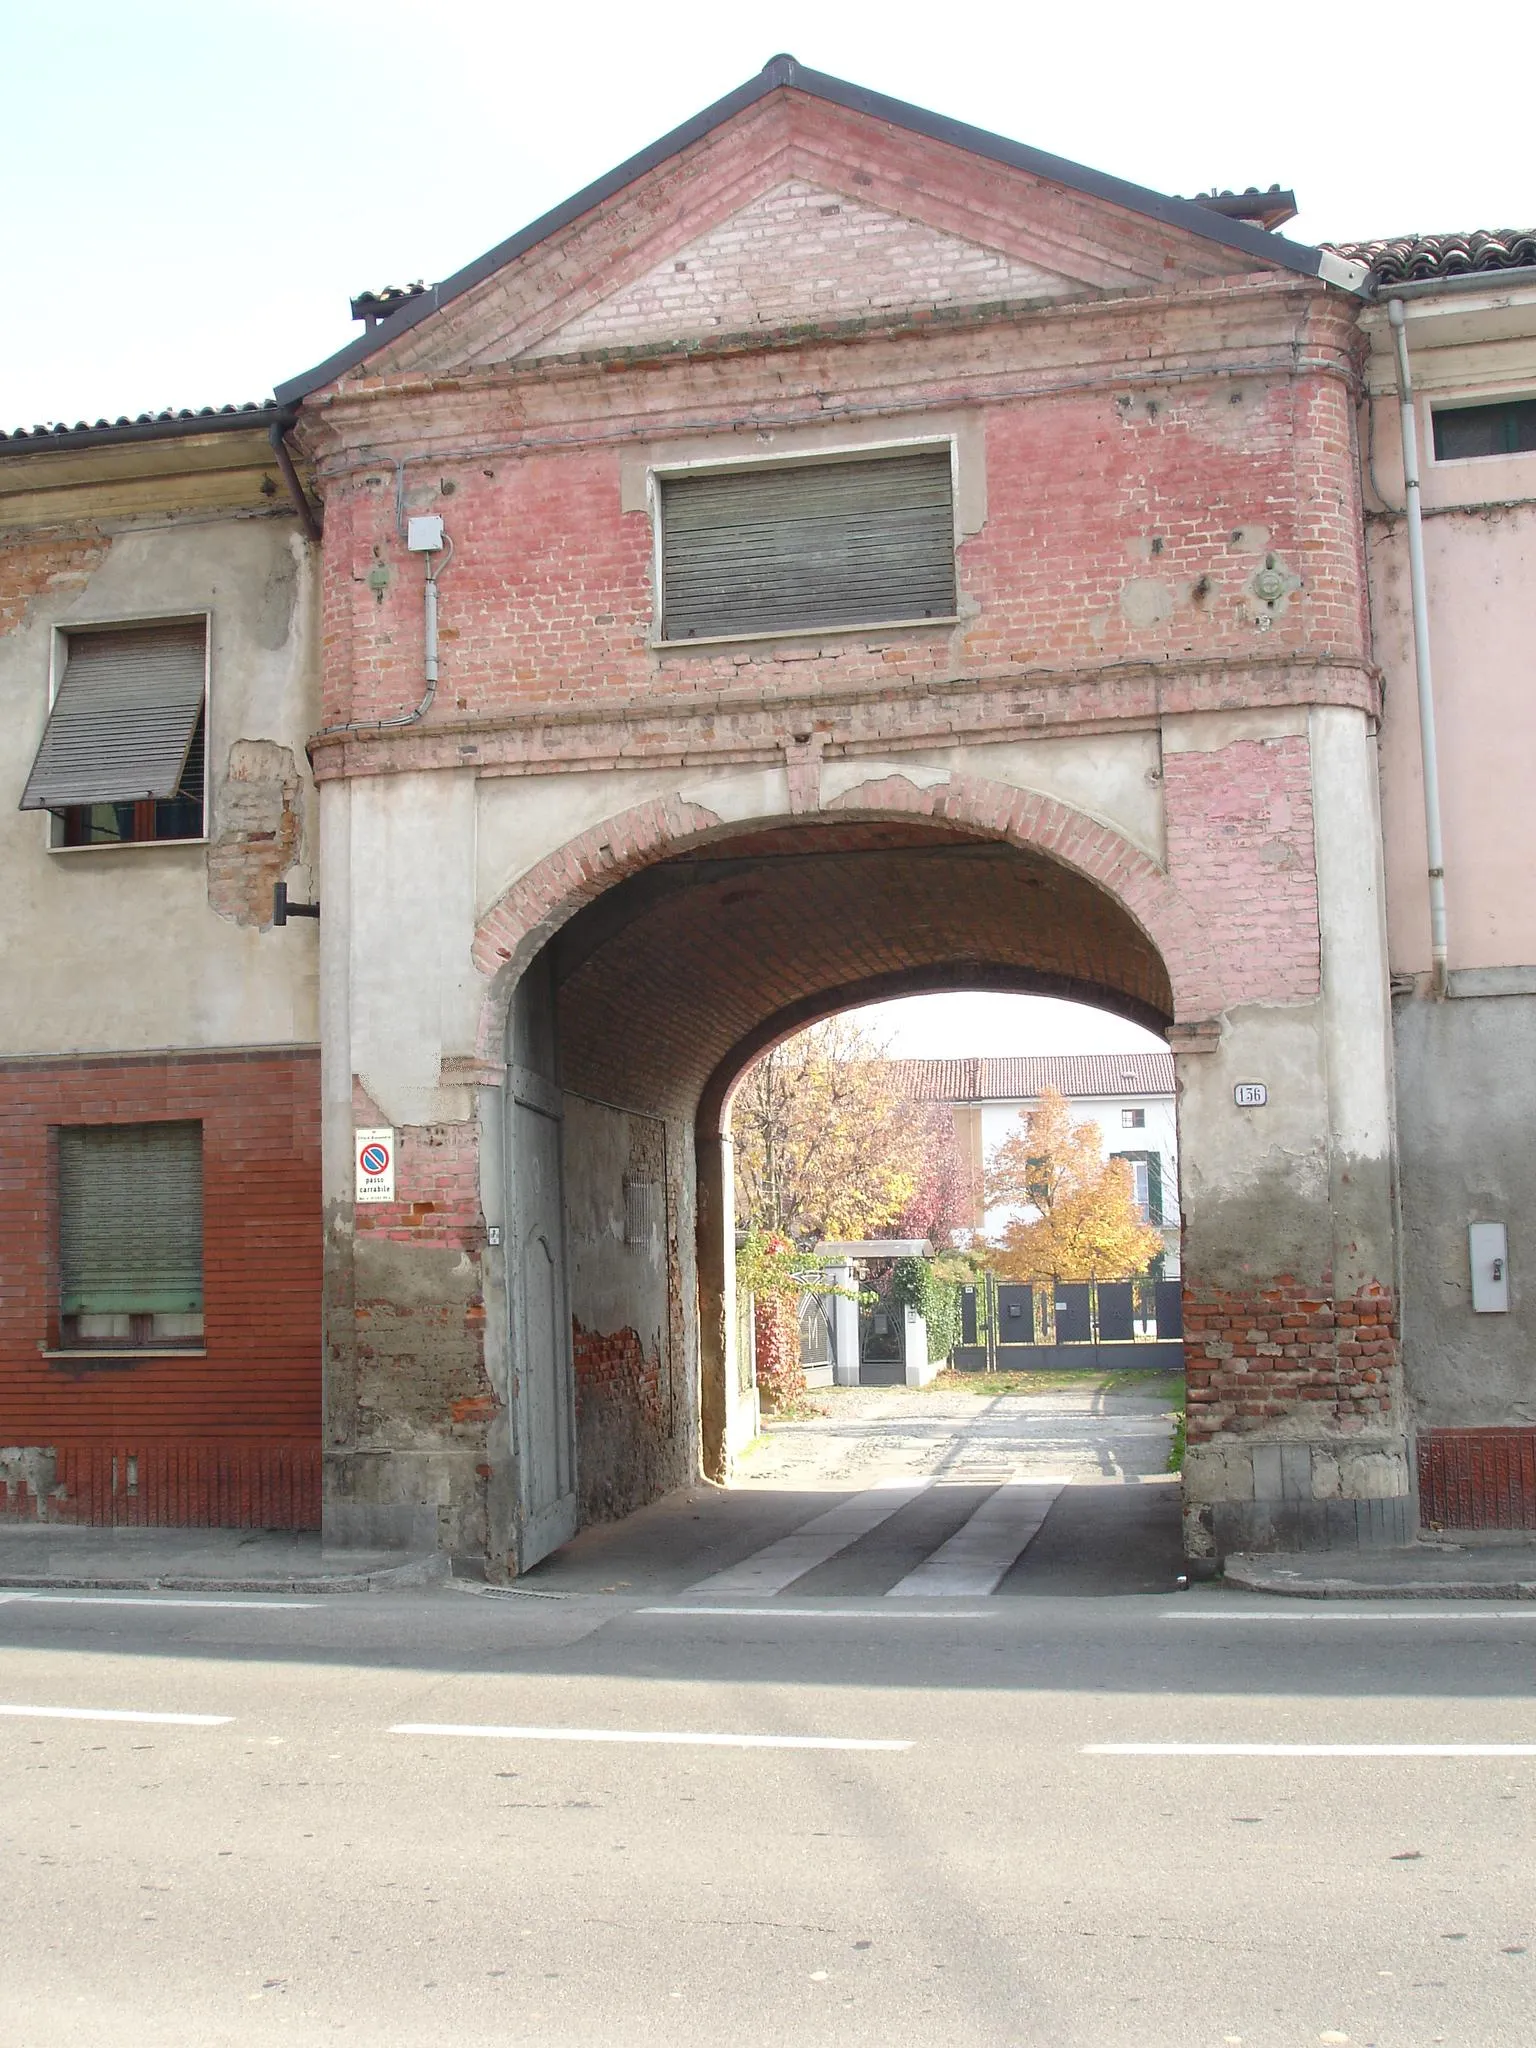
pixel 411 1572
pixel 1422 1572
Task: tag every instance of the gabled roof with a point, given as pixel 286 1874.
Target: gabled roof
pixel 1076 1075
pixel 1265 247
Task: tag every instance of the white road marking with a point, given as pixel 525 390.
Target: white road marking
pixel 1477 1612
pixel 672 1736
pixel 772 1569
pixel 146 1600
pixel 983 1549
pixel 775 1613
pixel 118 1714
pixel 1309 1749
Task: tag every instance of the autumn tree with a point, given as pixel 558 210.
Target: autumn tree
pixel 941 1204
pixel 826 1146
pixel 1084 1222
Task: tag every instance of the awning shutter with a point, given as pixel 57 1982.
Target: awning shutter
pixel 131 1219
pixel 123 719
pixel 810 544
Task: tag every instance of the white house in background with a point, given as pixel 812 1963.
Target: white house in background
pixel 1128 1095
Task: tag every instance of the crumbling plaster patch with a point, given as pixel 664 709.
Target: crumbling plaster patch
pixel 259 835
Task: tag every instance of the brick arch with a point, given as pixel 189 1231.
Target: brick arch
pixel 713 1116
pixel 541 900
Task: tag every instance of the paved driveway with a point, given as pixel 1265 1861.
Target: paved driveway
pixel 911 1496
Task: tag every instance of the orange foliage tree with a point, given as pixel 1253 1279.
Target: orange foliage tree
pixel 1081 1220
pixel 826 1145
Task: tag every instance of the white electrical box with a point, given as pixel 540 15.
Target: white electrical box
pixel 1488 1244
pixel 424 534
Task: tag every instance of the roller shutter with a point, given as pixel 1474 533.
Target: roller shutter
pixel 810 544
pixel 131 1219
pixel 123 719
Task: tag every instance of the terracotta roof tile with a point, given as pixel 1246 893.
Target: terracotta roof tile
pixel 1076 1075
pixel 184 421
pixel 1403 259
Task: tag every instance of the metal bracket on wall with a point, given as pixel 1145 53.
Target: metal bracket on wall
pixel 282 909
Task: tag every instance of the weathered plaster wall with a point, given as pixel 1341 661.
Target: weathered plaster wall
pixel 166 946
pixel 1480 569
pixel 408 1399
pixel 1465 1099
pixel 629 1223
pixel 1463 1072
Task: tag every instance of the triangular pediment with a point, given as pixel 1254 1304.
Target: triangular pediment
pixel 802 200
pixel 802 252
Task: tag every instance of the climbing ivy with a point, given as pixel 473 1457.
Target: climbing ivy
pixel 917 1284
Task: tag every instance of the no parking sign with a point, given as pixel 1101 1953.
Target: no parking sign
pixel 375 1152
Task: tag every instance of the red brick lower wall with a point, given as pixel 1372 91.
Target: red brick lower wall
pixel 1477 1478
pixel 1252 1359
pixel 622 1433
pixel 166 1486
pixel 230 1438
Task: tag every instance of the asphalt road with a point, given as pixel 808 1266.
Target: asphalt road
pixel 668 1814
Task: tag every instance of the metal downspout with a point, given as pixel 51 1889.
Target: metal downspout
pixel 1439 950
pixel 308 518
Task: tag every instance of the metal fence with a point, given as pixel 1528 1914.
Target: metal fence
pixel 1008 1326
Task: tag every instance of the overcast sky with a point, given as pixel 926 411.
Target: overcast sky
pixel 191 190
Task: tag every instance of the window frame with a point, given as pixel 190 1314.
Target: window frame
pixel 1133 1118
pixel 58 660
pixel 1474 401
pixel 110 1351
pixel 1156 1215
pixel 719 465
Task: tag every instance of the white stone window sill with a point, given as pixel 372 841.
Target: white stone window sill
pixel 127 846
pixel 109 1353
pixel 807 633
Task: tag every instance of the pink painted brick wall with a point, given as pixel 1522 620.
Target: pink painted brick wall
pixel 1241 854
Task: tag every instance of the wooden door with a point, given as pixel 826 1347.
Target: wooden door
pixel 543 1384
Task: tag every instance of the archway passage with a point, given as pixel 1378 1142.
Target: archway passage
pixel 661 991
pixel 702 959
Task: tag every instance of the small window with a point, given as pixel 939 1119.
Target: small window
pixel 122 755
pixel 1507 427
pixel 130 1236
pixel 1146 1183
pixel 1133 1119
pixel 801 545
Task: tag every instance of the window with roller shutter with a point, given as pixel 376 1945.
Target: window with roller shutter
pixel 122 755
pixel 130 1217
pixel 795 546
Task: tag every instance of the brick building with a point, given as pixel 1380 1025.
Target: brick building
pixel 835 520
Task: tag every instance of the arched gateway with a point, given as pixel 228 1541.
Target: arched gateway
pixel 801 643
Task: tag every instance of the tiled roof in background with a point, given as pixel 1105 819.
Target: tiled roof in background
pixel 189 420
pixel 1403 259
pixel 1073 1074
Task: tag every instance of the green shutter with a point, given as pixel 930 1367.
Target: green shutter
pixel 1154 1187
pixel 807 544
pixel 131 1219
pixel 123 719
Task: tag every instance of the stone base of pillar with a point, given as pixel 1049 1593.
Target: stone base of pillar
pixel 418 1501
pixel 1297 1496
